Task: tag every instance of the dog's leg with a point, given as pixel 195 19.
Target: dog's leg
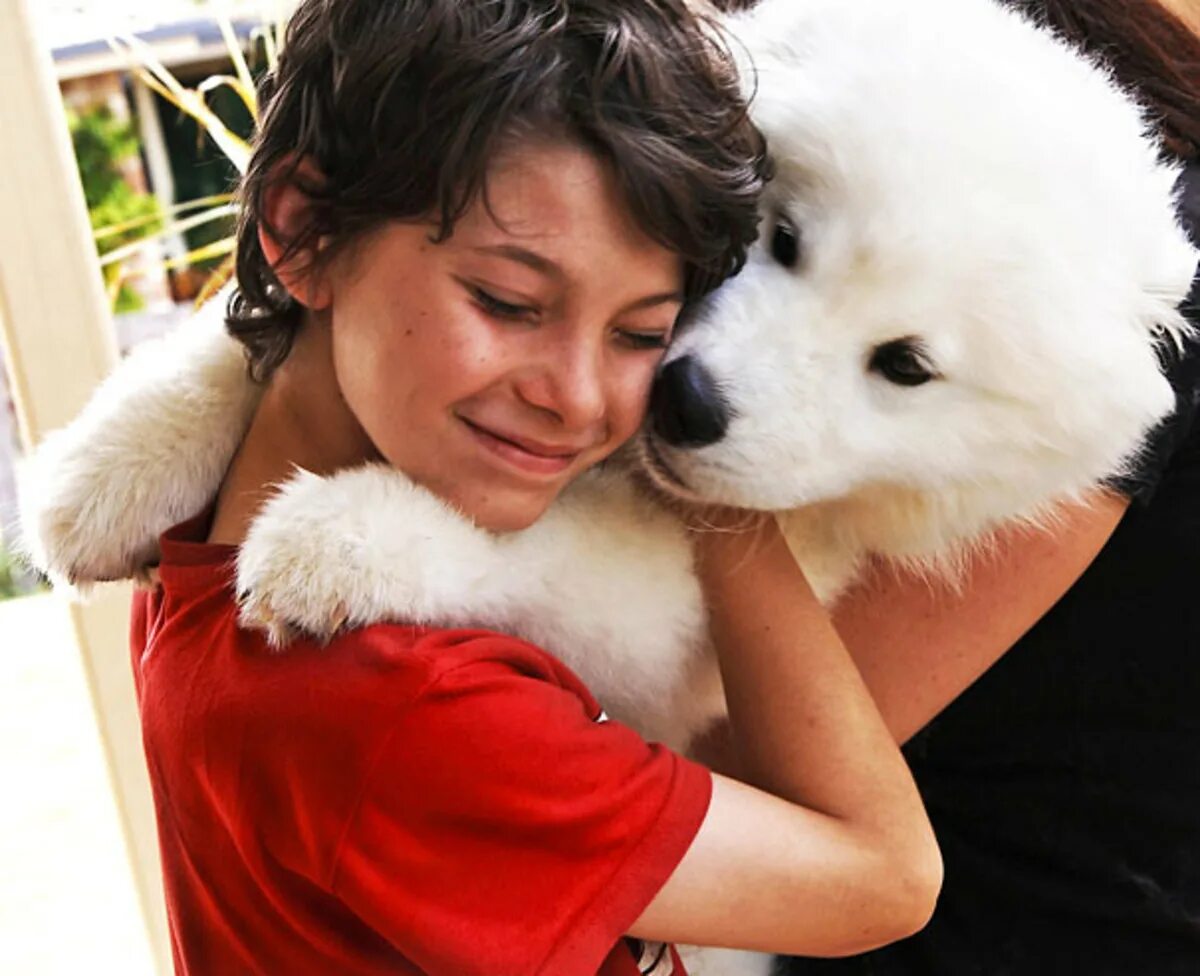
pixel 363 546
pixel 148 451
pixel 603 581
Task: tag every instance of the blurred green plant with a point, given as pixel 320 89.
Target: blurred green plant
pixel 195 102
pixel 8 580
pixel 14 581
pixel 118 213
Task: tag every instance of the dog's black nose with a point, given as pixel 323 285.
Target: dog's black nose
pixel 686 408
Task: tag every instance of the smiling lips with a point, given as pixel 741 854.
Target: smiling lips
pixel 530 456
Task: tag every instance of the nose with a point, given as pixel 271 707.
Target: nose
pixel 568 382
pixel 686 408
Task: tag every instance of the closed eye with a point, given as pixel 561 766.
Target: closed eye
pixel 500 309
pixel 645 340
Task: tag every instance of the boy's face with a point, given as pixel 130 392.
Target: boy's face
pixel 495 367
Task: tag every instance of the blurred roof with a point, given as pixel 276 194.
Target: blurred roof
pixel 179 31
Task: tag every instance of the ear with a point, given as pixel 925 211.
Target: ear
pixel 1163 302
pixel 286 208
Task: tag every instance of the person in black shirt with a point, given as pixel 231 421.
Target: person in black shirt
pixel 1064 781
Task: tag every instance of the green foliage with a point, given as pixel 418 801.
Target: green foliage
pixel 225 107
pixel 102 142
pixel 8 582
pixel 13 580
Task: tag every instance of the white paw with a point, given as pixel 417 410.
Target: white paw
pixel 357 548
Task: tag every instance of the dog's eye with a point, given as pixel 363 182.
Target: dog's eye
pixel 903 362
pixel 785 242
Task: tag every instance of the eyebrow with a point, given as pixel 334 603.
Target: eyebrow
pixel 544 266
pixel 531 259
pixel 666 298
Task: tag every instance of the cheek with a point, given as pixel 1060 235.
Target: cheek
pixel 630 396
pixel 376 372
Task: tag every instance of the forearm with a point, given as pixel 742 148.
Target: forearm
pixel 804 724
pixel 919 644
pixel 824 847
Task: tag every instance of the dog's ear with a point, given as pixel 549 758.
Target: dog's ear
pixel 1166 320
pixel 1162 312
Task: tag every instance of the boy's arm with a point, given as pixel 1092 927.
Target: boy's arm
pixel 827 851
pixel 919 643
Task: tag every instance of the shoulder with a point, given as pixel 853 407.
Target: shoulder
pixel 501 761
pixel 325 730
pixel 460 658
pixel 499 725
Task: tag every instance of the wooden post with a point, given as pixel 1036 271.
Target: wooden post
pixel 58 343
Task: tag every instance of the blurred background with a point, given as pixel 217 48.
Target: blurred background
pixel 124 125
pixel 156 100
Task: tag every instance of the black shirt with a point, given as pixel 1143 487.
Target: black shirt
pixel 1064 785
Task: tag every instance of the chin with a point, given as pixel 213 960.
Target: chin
pixel 507 521
pixel 504 515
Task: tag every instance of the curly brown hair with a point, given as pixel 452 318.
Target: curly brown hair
pixel 401 104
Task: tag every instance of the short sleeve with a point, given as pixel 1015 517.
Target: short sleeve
pixel 505 832
pixel 1181 365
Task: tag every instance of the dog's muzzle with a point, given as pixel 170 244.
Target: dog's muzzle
pixel 686 407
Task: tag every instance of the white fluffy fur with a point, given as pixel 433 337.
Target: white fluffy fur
pixel 957 176
pixel 959 179
pixel 605 568
pixel 146 452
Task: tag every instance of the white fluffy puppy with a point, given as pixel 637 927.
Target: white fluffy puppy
pixel 967 257
pixel 968 260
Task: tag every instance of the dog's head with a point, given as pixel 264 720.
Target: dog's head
pixel 967 259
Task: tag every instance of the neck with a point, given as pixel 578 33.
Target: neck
pixel 302 421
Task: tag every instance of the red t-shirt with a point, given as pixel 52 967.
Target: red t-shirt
pixel 404 800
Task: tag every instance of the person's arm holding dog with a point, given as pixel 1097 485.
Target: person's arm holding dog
pixel 918 644
pixel 829 846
